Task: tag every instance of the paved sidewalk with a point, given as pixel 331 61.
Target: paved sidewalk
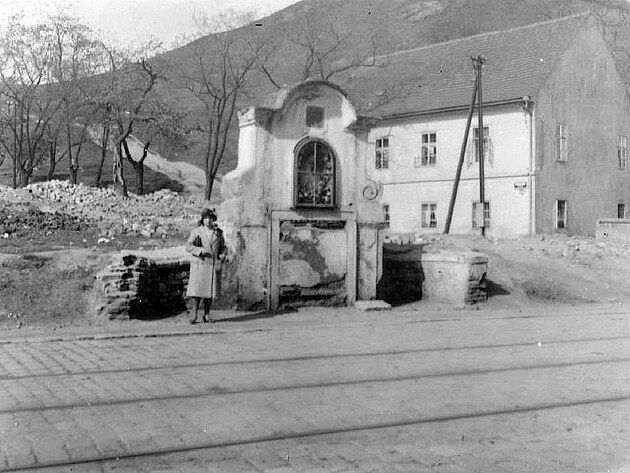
pixel 241 320
pixel 324 390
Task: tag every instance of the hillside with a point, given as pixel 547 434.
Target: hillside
pixel 394 25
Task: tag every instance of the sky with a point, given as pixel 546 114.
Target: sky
pixel 130 21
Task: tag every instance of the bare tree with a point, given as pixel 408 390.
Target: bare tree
pixel 325 49
pixel 78 57
pixel 217 75
pixel 27 56
pixel 125 96
pixel 46 112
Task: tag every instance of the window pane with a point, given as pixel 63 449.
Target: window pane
pixel 315 175
pixel 306 158
pixel 429 149
pixel 324 160
pixel 306 188
pixel 382 153
pixel 561 221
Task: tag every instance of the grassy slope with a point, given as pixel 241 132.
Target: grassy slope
pixel 396 25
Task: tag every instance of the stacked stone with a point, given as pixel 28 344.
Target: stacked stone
pixel 476 288
pixel 137 287
pixel 118 287
pixel 168 286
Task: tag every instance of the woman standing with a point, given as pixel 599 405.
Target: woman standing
pixel 207 246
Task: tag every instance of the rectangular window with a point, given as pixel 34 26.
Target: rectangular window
pixel 382 153
pixel 428 156
pixel 561 142
pixel 476 215
pixel 315 117
pixel 386 216
pixel 621 210
pixel 429 216
pixel 622 152
pixel 486 147
pixel 561 214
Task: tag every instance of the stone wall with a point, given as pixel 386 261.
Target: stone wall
pixel 136 287
pixel 449 276
pixel 616 230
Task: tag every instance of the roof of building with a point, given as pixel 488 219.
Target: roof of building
pixel 441 76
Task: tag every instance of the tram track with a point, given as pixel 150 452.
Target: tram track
pixel 314 357
pixel 211 391
pixel 306 433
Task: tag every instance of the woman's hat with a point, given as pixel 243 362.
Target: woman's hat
pixel 208 213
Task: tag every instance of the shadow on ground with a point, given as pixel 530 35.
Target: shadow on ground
pixel 495 289
pixel 263 314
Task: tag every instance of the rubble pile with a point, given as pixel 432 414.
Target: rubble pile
pixel 20 222
pixel 55 205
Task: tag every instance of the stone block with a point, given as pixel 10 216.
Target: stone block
pixel 614 230
pixel 455 277
pixel 372 305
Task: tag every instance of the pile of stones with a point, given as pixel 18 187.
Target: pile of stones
pixel 61 205
pixel 22 221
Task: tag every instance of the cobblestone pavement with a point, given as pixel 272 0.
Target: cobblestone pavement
pixel 326 390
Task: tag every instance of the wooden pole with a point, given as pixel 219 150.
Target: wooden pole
pixel 462 154
pixel 478 62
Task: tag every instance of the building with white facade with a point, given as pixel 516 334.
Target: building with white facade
pixel 556 122
pixel 325 171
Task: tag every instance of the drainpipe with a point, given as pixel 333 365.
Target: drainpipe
pixel 528 107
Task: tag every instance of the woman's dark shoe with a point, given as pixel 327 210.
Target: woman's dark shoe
pixel 193 321
pixel 206 320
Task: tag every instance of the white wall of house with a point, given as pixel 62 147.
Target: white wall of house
pixel 407 184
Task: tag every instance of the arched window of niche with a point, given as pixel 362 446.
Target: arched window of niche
pixel 315 175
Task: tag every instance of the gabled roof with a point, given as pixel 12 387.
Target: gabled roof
pixel 441 76
pixel 276 100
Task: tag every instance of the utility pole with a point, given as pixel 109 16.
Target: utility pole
pixel 462 154
pixel 478 62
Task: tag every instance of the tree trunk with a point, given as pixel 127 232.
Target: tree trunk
pixel 74 172
pixel 74 164
pixel 52 162
pixel 139 168
pixel 209 185
pixel 24 177
pixel 104 141
pixel 15 172
pixel 120 186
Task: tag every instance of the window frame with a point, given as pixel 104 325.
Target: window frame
pixel 565 217
pixel 560 143
pixel 621 206
pixel 486 143
pixel 486 214
pixel 387 216
pixel 431 209
pixel 429 146
pixel 622 152
pixel 296 181
pixel 381 145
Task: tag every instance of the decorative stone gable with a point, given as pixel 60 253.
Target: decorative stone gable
pixel 297 222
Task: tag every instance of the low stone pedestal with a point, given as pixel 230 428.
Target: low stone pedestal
pixel 614 230
pixel 447 275
pixel 455 277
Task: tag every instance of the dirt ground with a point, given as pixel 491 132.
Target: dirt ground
pixel 46 274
